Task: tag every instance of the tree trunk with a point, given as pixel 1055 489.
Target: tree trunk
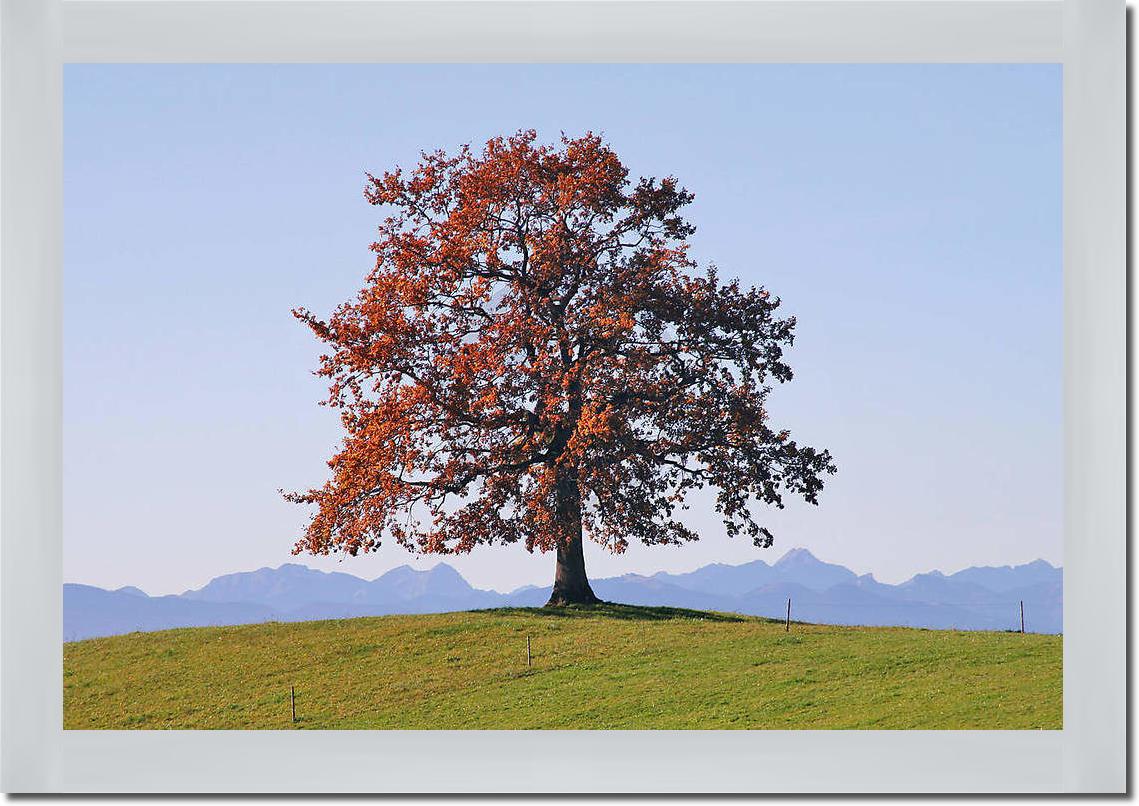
pixel 571 586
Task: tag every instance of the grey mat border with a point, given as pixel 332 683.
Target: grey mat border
pixel 1087 35
pixel 563 31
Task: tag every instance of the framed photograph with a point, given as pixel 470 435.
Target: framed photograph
pixel 447 393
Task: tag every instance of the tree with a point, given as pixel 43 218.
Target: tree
pixel 536 358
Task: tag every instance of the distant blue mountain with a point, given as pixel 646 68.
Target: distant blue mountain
pixel 1008 577
pixel 980 598
pixel 801 567
pixel 90 612
pixel 292 585
pixel 730 580
pixel 294 590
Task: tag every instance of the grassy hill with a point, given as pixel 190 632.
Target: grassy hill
pixel 605 667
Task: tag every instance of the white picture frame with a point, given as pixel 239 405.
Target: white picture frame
pixel 1086 36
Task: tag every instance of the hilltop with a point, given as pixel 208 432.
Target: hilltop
pixel 606 667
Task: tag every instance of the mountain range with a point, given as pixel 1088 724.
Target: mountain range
pixel 977 598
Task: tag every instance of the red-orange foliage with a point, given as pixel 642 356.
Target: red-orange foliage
pixel 535 356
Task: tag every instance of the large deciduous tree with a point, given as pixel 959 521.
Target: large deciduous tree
pixel 536 358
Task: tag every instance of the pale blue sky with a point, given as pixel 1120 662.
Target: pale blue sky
pixel 909 215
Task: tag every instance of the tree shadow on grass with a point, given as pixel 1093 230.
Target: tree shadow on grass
pixel 620 611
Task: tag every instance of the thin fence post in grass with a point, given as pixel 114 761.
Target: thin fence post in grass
pixel 788 614
pixel 1022 616
pixel 293 701
pixel 527 651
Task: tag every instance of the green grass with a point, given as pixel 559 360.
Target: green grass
pixel 603 667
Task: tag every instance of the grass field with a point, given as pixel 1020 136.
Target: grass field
pixel 606 667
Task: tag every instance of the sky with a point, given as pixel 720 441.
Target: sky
pixel 908 215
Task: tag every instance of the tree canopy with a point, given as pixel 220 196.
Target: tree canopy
pixel 535 358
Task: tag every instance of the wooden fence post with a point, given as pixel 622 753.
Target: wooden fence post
pixel 1022 616
pixel 293 700
pixel 527 651
pixel 788 614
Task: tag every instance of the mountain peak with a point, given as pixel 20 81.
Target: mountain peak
pixel 799 555
pixel 399 572
pixel 440 579
pixel 801 567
